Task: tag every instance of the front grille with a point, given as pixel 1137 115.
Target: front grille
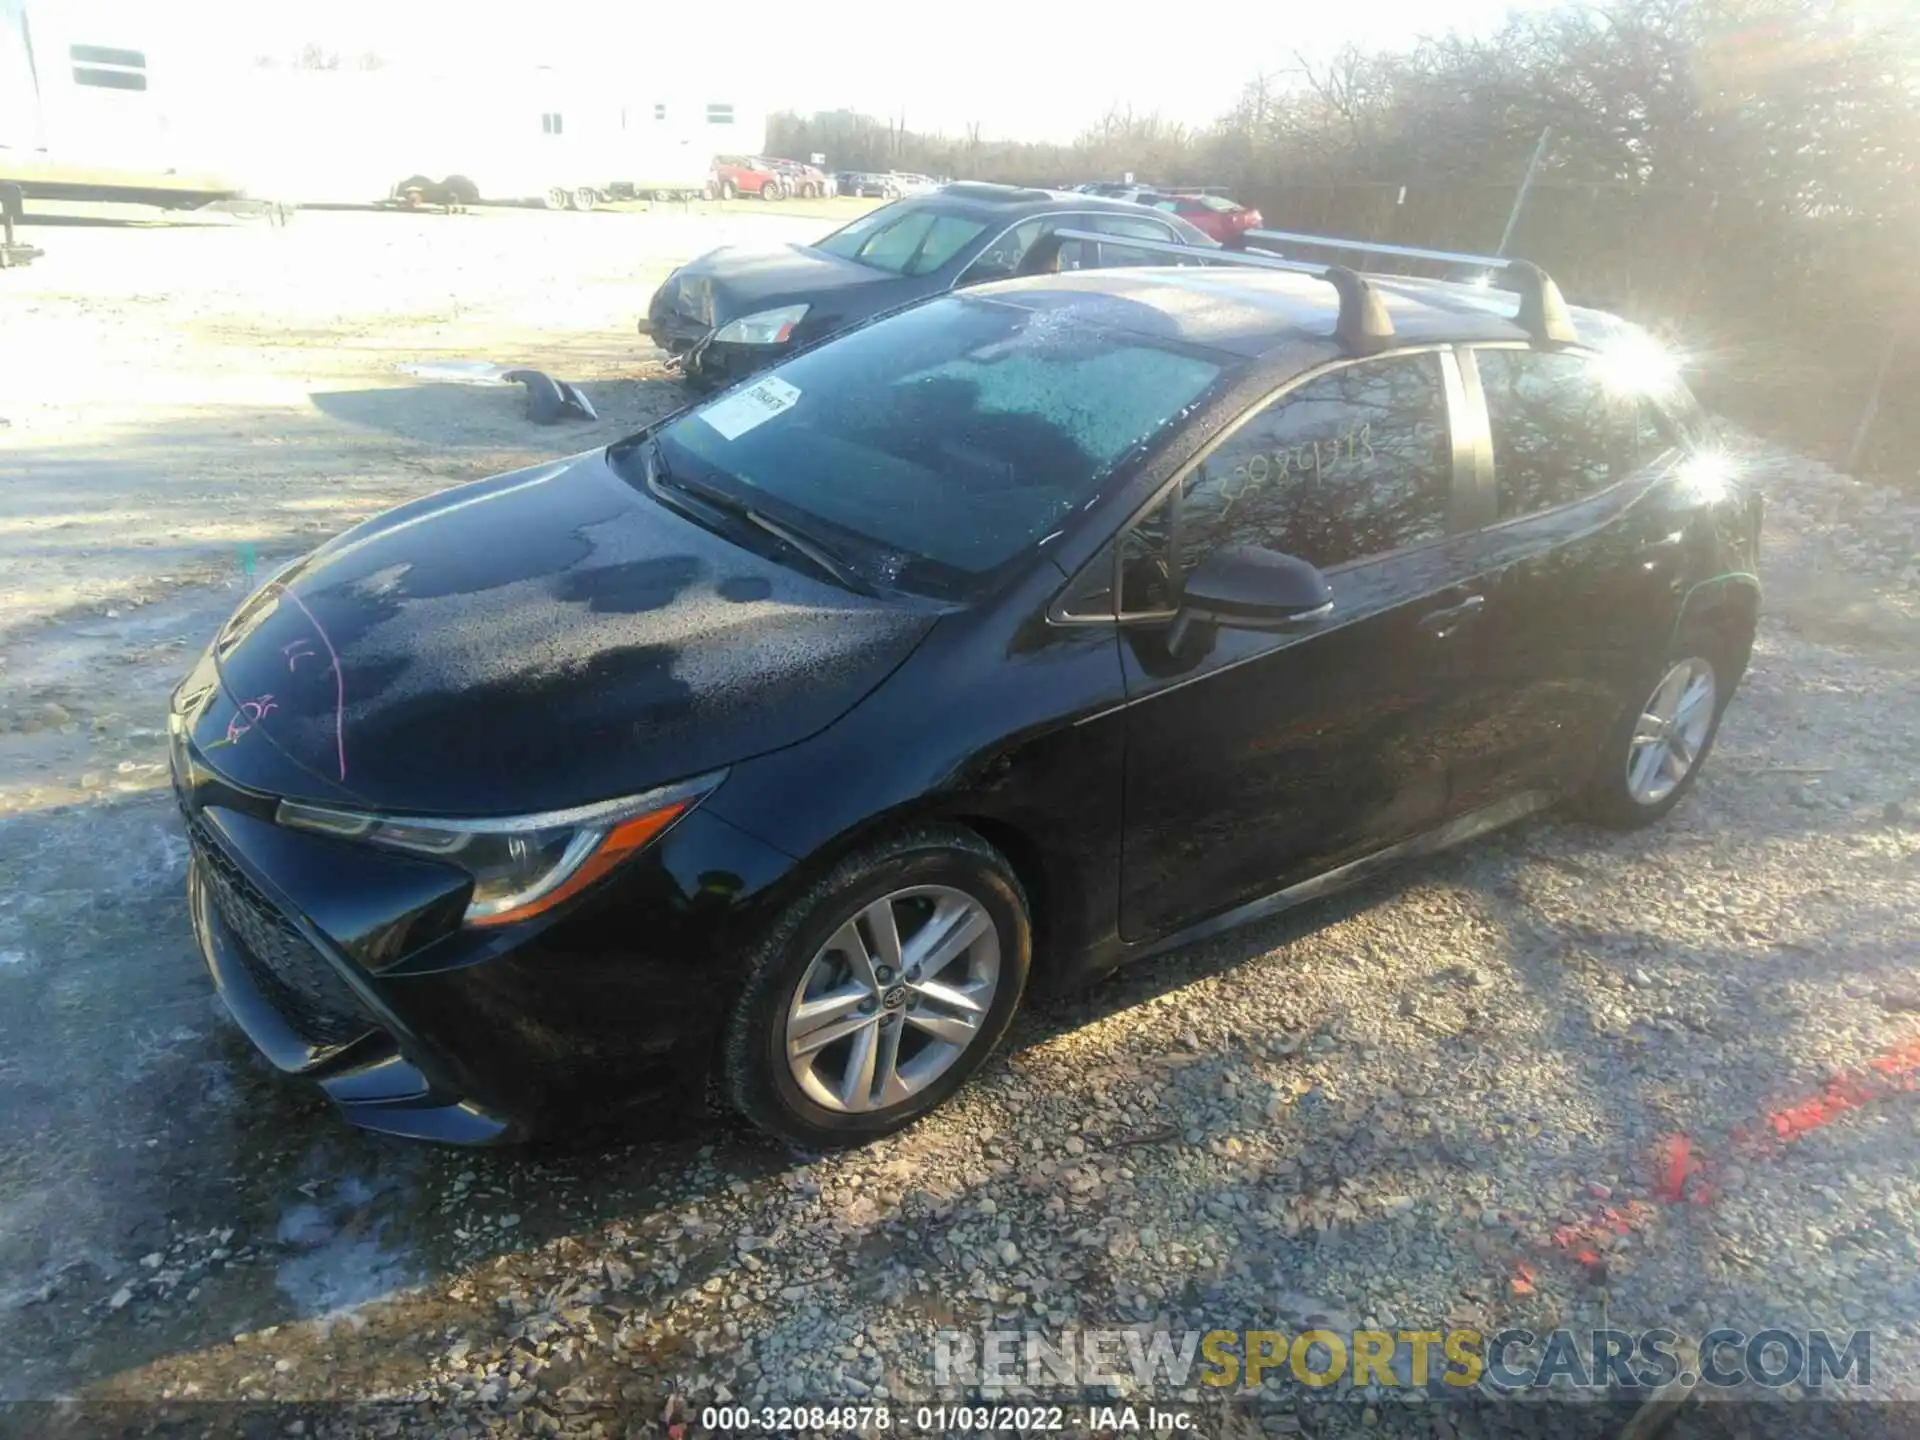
pixel 294 977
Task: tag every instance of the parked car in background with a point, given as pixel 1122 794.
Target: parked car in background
pixel 801 180
pixel 1025 632
pixel 1218 216
pixel 907 183
pixel 735 175
pixel 735 310
pixel 868 183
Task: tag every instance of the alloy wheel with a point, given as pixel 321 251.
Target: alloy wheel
pixel 1671 731
pixel 893 999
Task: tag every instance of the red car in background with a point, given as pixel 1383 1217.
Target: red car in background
pixel 1218 216
pixel 747 175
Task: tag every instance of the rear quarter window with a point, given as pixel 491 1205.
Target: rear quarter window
pixel 1553 426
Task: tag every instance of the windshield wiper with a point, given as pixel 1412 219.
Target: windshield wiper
pixel 824 559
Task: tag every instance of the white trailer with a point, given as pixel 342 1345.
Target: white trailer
pixel 84 116
pixel 532 135
pixel 90 111
pixel 665 146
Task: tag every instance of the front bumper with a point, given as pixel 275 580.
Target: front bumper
pixel 351 971
pixel 708 363
pixel 713 363
pixel 367 1076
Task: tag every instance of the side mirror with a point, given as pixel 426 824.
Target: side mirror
pixel 1245 588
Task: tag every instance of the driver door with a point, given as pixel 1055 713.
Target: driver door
pixel 1275 756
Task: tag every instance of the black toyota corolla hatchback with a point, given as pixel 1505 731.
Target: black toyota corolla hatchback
pixel 1002 639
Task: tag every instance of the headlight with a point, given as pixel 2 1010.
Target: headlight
pixel 767 327
pixel 521 865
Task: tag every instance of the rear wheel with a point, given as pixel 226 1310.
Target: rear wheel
pixel 1652 756
pixel 877 993
pixel 556 198
pixel 584 198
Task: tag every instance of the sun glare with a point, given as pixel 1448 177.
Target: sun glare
pixel 1634 363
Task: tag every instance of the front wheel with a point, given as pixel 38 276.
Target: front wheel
pixel 728 190
pixel 1653 755
pixel 585 198
pixel 556 198
pixel 880 991
pixel 770 191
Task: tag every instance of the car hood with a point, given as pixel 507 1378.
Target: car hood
pixel 733 281
pixel 531 642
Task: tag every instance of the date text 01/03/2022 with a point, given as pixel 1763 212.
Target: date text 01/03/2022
pixel 939 1419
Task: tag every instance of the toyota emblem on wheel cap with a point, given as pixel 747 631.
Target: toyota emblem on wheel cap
pixel 894 997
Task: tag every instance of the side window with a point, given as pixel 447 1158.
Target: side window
pixel 1556 435
pixel 1355 463
pixel 1147 585
pixel 107 67
pixel 1001 260
pixel 1140 228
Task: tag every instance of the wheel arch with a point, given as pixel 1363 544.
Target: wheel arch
pixel 1056 894
pixel 1726 606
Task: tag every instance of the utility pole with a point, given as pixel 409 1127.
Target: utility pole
pixel 1526 184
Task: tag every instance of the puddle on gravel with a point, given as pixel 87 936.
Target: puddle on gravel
pixel 338 1255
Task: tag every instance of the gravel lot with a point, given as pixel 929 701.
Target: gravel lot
pixel 1558 1077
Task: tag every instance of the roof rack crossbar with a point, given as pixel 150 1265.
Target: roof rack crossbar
pixel 1543 310
pixel 1364 325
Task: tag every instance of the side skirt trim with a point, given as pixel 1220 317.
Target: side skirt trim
pixel 1455 832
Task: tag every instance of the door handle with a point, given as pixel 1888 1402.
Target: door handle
pixel 1442 623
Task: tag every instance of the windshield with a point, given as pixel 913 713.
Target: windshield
pixel 903 239
pixel 937 445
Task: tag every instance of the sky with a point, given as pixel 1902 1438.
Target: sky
pixel 1031 71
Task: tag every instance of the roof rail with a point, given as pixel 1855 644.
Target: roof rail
pixel 1543 309
pixel 1364 325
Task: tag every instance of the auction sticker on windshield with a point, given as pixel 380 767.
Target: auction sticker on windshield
pixel 755 405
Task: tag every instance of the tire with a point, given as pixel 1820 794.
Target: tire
pixel 728 190
pixel 771 191
pixel 1624 793
pixel 583 198
pixel 556 198
pixel 925 877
